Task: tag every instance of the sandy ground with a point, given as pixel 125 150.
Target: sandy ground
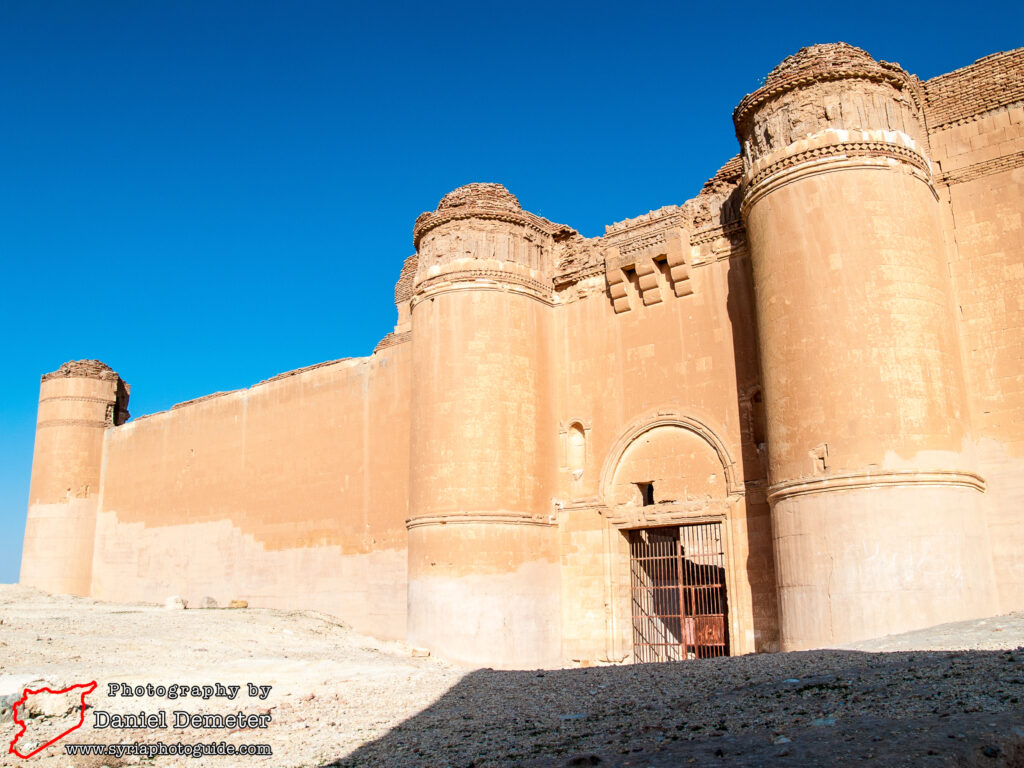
pixel 951 695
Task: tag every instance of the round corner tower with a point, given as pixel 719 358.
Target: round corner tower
pixel 77 403
pixel 876 506
pixel 483 548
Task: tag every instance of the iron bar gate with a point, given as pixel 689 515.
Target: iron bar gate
pixel 678 590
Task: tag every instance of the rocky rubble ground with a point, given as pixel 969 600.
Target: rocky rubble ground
pixel 949 696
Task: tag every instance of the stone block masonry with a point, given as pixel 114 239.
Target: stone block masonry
pixel 787 413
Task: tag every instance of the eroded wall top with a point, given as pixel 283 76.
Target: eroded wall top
pixel 835 86
pixel 90 369
pixel 485 202
pixel 987 84
pixel 666 242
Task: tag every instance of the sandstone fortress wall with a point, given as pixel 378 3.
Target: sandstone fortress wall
pixel 818 358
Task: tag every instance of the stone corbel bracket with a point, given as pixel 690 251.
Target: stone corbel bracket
pixel 647 257
pixel 616 277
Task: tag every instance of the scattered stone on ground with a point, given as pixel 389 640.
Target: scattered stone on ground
pixel 949 696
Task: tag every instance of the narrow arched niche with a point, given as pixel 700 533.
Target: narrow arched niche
pixel 576 448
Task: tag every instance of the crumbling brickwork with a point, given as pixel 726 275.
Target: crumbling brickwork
pixel 403 288
pixel 93 369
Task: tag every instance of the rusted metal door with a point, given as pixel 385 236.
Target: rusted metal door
pixel 678 589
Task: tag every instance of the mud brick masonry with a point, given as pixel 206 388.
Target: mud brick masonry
pixel 786 414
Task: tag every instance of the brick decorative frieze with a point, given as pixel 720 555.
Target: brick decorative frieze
pixel 831 149
pixel 483 278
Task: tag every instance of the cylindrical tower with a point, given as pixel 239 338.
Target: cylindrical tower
pixel 483 549
pixel 876 506
pixel 77 403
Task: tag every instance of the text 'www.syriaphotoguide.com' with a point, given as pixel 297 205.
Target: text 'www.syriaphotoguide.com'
pixel 160 749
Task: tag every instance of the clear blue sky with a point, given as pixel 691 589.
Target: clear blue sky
pixel 205 194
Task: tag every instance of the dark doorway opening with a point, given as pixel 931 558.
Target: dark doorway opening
pixel 679 592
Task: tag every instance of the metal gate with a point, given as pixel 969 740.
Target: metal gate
pixel 678 589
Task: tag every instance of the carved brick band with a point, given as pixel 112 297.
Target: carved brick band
pixel 713 233
pixel 568 278
pixel 976 171
pixel 73 399
pixel 833 157
pixel 477 518
pixel 508 288
pixel 488 275
pixel 643 517
pixel 72 423
pixel 667 217
pixel 862 480
pixel 843 151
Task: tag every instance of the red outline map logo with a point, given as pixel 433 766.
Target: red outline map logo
pixel 87 689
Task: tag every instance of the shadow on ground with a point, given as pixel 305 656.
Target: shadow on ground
pixel 831 708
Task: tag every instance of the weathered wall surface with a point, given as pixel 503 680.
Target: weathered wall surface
pixel 874 487
pixel 483 565
pixel 657 385
pixel 289 494
pixel 821 351
pixel 976 119
pixel 77 403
